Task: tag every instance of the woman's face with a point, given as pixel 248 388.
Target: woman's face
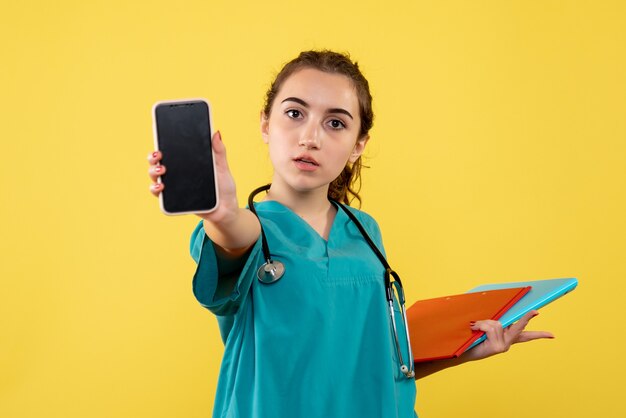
pixel 313 129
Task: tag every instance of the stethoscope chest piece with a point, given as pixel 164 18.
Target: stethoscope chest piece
pixel 270 272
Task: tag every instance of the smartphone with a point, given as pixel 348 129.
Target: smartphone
pixel 182 132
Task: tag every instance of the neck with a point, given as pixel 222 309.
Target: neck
pixel 308 204
pixel 312 206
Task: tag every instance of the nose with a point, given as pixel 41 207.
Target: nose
pixel 310 137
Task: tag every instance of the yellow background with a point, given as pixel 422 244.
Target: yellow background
pixel 498 154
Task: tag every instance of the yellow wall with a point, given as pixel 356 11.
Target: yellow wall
pixel 498 154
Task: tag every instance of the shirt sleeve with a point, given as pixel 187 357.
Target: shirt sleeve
pixel 207 277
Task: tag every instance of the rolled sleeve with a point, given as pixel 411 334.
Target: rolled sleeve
pixel 206 277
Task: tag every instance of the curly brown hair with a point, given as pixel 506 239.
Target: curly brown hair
pixel 347 185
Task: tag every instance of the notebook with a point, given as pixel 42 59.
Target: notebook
pixel 542 292
pixel 440 327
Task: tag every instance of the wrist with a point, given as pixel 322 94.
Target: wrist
pixel 222 219
pixel 233 231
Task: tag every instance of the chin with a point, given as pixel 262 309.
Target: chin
pixel 307 187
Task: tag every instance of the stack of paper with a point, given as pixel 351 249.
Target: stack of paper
pixel 440 327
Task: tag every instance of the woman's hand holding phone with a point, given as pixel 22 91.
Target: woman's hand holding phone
pixel 230 227
pixel 226 184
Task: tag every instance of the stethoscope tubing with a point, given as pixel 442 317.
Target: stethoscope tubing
pixel 266 249
pixel 272 270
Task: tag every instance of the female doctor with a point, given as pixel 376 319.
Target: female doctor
pixel 301 297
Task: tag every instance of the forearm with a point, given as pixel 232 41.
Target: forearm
pixel 427 368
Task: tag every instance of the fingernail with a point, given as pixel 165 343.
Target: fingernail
pixel 472 322
pixel 219 136
pixel 155 154
pixel 157 170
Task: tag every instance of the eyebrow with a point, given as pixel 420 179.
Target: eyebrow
pixel 305 104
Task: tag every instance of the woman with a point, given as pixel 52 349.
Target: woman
pixel 317 342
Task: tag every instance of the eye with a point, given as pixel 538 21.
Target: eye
pixel 336 124
pixel 294 113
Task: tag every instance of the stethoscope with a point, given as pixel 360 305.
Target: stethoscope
pixel 273 270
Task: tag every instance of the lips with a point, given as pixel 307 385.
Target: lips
pixel 306 159
pixel 306 163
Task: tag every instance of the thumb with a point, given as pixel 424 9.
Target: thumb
pixel 216 142
pixel 219 150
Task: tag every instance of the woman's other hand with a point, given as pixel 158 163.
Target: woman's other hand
pixel 499 339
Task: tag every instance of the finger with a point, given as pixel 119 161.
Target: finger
pixel 533 335
pixel 519 326
pixel 155 171
pixel 156 188
pixel 485 325
pixel 494 332
pixel 154 157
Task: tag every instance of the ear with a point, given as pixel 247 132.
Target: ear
pixel 265 127
pixel 358 149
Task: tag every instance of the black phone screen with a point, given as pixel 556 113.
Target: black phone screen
pixel 184 137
